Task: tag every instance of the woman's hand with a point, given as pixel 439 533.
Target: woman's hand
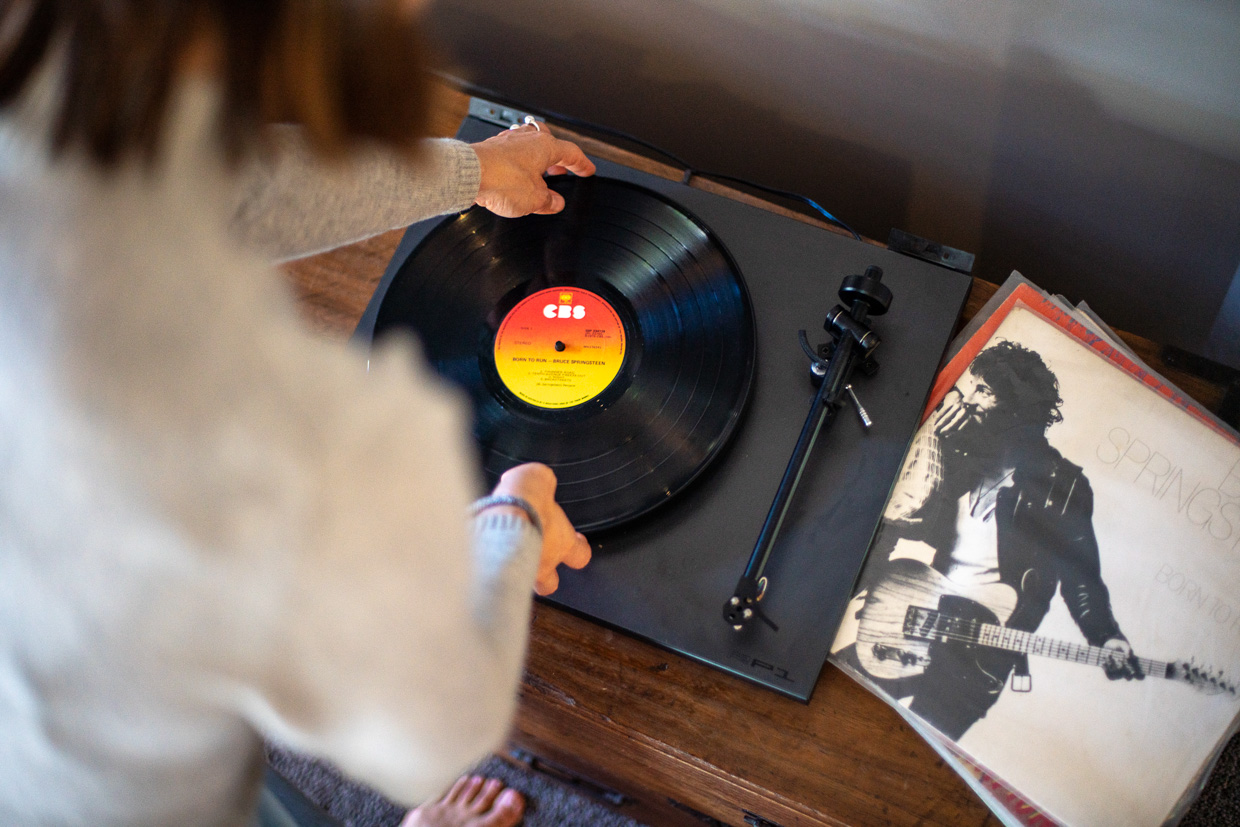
pixel 535 483
pixel 513 164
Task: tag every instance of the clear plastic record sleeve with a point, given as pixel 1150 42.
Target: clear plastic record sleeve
pixel 1053 598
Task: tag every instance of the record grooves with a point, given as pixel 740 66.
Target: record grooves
pixel 614 341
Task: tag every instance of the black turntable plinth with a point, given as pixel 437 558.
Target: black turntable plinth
pixel 687 483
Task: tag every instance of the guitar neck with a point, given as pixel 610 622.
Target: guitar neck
pixel 930 624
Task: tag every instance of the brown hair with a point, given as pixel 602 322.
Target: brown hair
pixel 343 70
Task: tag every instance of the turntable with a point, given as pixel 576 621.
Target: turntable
pixel 644 343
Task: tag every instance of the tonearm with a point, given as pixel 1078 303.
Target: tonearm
pixel 852 345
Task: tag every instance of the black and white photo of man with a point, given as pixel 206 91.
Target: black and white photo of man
pixel 984 489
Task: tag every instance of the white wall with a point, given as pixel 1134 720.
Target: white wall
pixel 1092 144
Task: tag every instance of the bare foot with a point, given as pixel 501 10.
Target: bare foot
pixel 472 802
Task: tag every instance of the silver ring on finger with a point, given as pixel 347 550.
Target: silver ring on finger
pixel 527 121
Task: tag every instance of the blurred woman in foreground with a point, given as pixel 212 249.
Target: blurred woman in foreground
pixel 215 525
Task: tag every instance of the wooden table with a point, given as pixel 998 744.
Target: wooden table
pixel 676 742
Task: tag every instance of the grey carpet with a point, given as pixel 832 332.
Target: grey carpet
pixel 549 803
pixel 1219 803
pixel 553 804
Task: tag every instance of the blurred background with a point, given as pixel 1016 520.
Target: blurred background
pixel 1093 145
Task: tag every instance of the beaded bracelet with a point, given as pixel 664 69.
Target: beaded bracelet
pixel 507 499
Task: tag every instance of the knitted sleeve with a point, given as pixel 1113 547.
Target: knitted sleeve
pixel 291 203
pixel 398 637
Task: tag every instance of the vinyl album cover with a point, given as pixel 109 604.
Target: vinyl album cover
pixel 1008 806
pixel 1055 587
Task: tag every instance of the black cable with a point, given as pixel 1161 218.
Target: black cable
pixel 616 133
pixel 689 170
pixel 692 172
pixel 805 199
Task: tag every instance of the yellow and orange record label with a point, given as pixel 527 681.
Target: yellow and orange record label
pixel 559 347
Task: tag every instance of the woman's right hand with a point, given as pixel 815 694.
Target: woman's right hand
pixel 512 166
pixel 535 483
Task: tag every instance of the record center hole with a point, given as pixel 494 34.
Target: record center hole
pixel 559 346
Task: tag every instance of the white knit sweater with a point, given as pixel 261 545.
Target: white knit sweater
pixel 214 524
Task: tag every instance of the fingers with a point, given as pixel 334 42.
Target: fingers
pixel 575 557
pixel 951 418
pixel 547 582
pixel 565 156
pixel 956 420
pixel 579 555
pixel 562 544
pixel 953 413
pixel 571 158
pixel 948 408
pixel 536 483
pixel 513 163
pixel 553 204
pixel 1121 661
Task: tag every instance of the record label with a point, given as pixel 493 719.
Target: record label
pixel 559 347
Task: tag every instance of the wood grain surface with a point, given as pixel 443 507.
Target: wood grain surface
pixel 685 743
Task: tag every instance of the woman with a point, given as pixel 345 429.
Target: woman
pixel 213 523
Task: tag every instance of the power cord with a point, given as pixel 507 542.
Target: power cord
pixel 690 172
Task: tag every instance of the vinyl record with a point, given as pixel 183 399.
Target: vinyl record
pixel 613 341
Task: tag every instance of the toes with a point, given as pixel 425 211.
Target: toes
pixel 457 790
pixel 486 796
pixel 473 801
pixel 464 790
pixel 507 810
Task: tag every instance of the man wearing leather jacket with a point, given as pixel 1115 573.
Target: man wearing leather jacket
pixel 998 504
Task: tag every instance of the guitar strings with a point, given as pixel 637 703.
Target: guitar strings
pixel 1026 642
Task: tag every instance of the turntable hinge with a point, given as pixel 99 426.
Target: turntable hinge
pixel 498 114
pixel 931 251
